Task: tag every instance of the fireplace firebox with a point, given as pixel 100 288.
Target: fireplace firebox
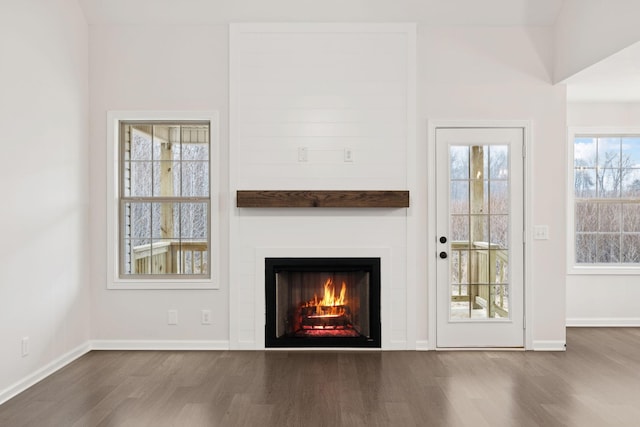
pixel 322 302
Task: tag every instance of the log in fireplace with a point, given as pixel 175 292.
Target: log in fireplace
pixel 322 302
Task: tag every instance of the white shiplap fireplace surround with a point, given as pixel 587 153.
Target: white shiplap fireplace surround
pixel 322 107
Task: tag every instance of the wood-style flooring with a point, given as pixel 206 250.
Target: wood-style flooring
pixel 596 382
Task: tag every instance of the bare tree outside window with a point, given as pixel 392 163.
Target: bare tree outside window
pixel 606 176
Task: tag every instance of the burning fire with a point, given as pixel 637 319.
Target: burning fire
pixel 326 316
pixel 329 305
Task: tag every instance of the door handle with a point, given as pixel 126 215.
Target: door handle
pixel 443 255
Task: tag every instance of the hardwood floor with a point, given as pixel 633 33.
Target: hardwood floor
pixel 595 383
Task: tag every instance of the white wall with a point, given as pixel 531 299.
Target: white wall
pixel 588 31
pixel 44 264
pixel 504 74
pixel 325 87
pixel 155 68
pixel 462 73
pixel 605 300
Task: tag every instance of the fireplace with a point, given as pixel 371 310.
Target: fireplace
pixel 322 302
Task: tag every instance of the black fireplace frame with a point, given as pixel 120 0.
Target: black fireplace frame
pixel 370 265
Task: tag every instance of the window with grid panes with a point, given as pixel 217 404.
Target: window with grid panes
pixel 164 203
pixel 606 200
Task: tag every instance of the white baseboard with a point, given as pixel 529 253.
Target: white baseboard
pixel 158 345
pixel 549 346
pixel 423 345
pixel 611 322
pixel 43 372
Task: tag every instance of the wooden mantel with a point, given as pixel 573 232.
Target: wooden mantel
pixel 322 199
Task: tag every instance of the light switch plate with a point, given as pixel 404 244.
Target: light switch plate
pixel 541 232
pixel 172 317
pixel 303 154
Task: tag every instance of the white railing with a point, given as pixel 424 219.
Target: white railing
pixel 486 265
pixel 170 258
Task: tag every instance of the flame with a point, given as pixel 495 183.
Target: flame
pixel 329 299
pixel 319 316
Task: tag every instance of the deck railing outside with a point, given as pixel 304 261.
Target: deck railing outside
pixel 477 268
pixel 171 258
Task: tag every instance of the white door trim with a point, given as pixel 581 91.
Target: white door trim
pixel 432 125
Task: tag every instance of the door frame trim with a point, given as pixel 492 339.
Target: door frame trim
pixel 432 126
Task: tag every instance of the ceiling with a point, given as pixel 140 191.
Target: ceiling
pixel 433 12
pixel 616 79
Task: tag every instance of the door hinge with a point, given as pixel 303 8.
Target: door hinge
pixel 524 149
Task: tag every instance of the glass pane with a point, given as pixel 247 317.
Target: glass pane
pixel 166 220
pixel 631 217
pixel 478 163
pixel 479 228
pixel 608 183
pixel 609 217
pixel 192 257
pixel 498 162
pixel 608 248
pixel 631 248
pixel 137 219
pixel 480 302
pixel 499 302
pixel 479 197
pixel 460 229
pixel 485 161
pixel 459 199
pixel 460 309
pixel 140 184
pixel 137 256
pixel 586 248
pixel 630 183
pixel 500 262
pixel 584 152
pixel 140 144
pixel 479 266
pixel 459 162
pixel 499 197
pixel 162 257
pixel 195 179
pixel 586 216
pixel 166 179
pixel 194 221
pixel 499 230
pixel 475 226
pixel 609 153
pixel 166 142
pixel 631 150
pixel 195 144
pixel 459 266
pixel 584 182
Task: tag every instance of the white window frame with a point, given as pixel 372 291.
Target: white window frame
pixel 572 266
pixel 114 281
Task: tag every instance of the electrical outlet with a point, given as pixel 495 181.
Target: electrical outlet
pixel 348 155
pixel 25 346
pixel 205 317
pixel 172 317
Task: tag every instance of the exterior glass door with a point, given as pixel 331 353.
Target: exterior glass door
pixel 480 248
